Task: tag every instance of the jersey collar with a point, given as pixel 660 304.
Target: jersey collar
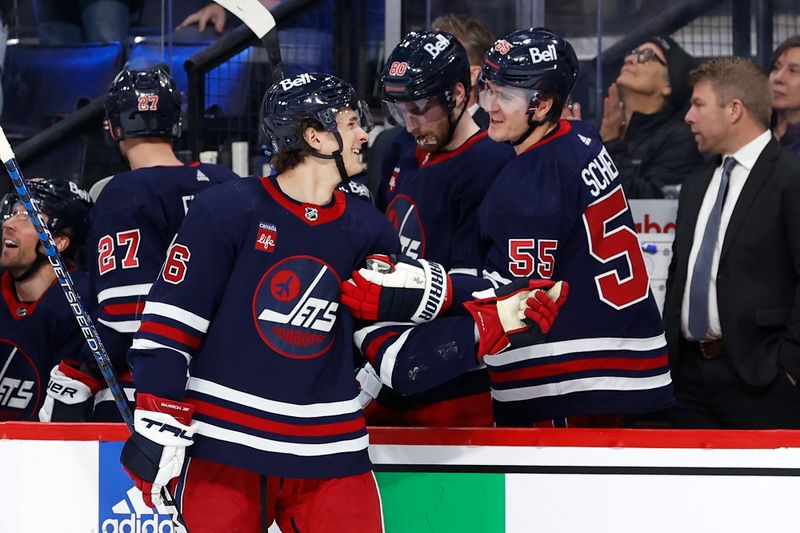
pixel 311 214
pixel 17 309
pixel 562 129
pixel 427 159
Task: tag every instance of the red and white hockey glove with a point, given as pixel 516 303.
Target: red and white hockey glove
pixel 70 394
pixel 519 314
pixel 154 453
pixel 398 288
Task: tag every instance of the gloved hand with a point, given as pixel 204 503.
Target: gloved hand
pixel 518 314
pixel 154 453
pixel 398 288
pixel 369 385
pixel 70 394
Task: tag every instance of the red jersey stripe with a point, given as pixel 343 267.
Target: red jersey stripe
pixel 171 333
pixel 566 367
pixel 124 309
pixel 281 428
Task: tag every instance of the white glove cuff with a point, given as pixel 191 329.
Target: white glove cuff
pixel 435 292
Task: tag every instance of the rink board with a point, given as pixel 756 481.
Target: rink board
pixel 65 478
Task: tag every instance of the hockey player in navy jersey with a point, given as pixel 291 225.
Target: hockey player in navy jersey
pixel 135 219
pixel 555 212
pixel 248 304
pixel 434 179
pixel 37 329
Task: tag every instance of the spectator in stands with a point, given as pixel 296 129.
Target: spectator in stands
pixel 477 38
pixel 784 80
pixel 212 16
pixel 732 316
pixel 37 328
pixel 642 124
pixel 77 21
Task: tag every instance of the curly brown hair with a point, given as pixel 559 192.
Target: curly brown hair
pixel 288 159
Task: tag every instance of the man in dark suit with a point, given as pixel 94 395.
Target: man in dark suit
pixel 732 310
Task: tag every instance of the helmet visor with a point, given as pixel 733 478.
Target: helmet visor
pixel 509 100
pixel 419 112
pixel 361 116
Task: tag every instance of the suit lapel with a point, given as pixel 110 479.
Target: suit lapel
pixel 759 175
pixel 694 200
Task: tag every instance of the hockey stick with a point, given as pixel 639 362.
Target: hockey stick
pixel 260 20
pixel 84 321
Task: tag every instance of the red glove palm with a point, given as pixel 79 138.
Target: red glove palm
pixel 519 314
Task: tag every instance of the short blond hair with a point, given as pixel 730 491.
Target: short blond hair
pixel 474 35
pixel 737 78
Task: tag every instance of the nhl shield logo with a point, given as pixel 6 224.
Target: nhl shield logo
pixel 312 213
pixel 295 307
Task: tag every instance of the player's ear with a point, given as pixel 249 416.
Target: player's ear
pixel 312 138
pixel 62 242
pixel 545 105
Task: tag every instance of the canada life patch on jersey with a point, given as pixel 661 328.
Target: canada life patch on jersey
pixel 267 237
pixel 20 389
pixel 402 212
pixel 295 306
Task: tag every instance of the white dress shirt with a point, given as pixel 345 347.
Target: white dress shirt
pixel 745 157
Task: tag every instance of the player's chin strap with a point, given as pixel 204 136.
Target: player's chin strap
pixel 532 125
pixel 454 123
pixel 336 156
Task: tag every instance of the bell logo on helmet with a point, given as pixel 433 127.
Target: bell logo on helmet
pixel 502 46
pixel 299 81
pixel 537 56
pixel 398 68
pixel 441 44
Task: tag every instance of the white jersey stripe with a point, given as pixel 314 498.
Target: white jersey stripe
pixel 608 383
pixel 311 410
pixel 147 344
pixel 549 349
pixel 126 290
pixel 269 445
pixel 496 279
pixel 176 313
pixel 390 357
pixel 129 326
pixel 464 271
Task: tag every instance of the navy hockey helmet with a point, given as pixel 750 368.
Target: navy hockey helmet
pixel 65 204
pixel 312 95
pixel 424 66
pixel 143 103
pixel 535 60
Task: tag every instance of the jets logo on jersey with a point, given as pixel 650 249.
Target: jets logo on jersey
pixel 295 305
pixel 267 237
pixel 19 383
pixel 402 213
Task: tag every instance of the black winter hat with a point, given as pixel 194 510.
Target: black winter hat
pixel 679 64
